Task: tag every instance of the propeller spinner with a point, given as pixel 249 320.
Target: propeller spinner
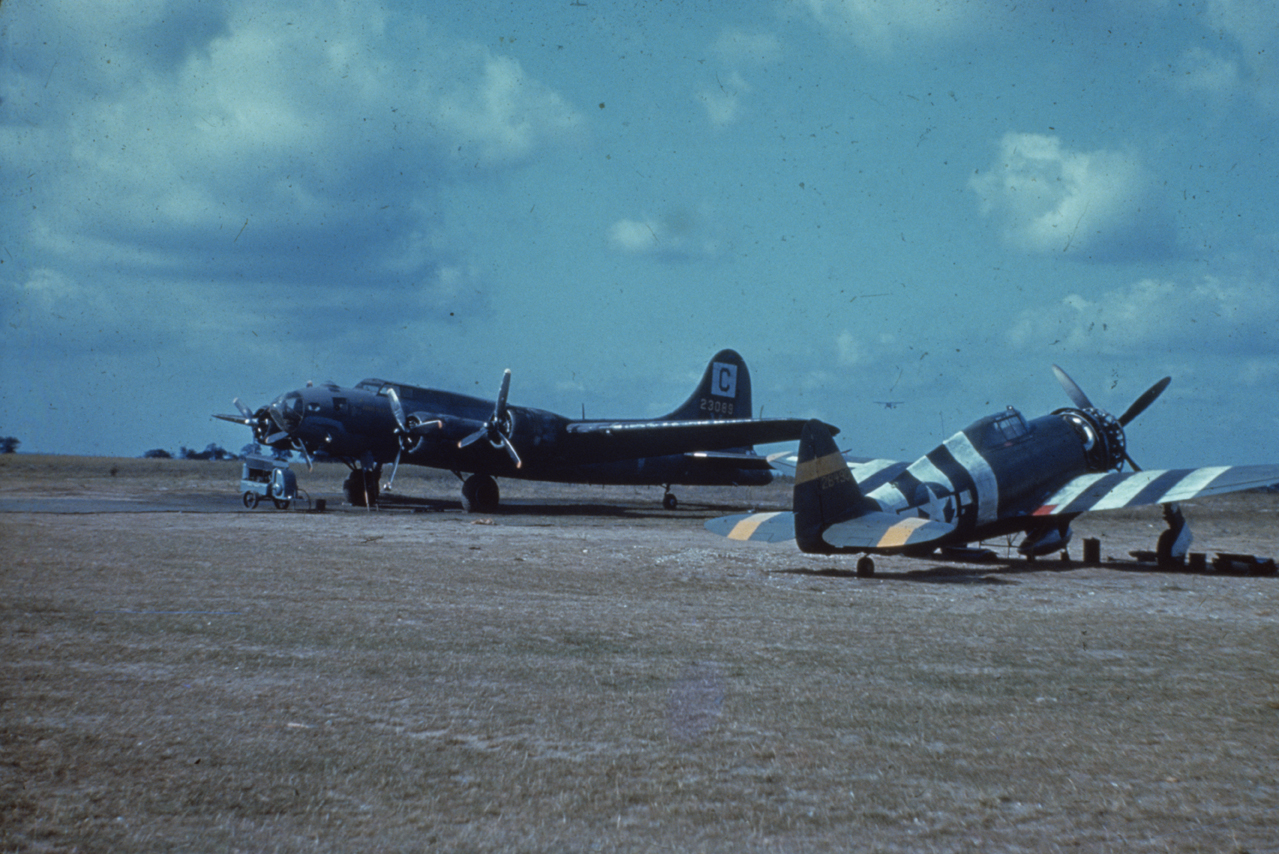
pixel 1104 438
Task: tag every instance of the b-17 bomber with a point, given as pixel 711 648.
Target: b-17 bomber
pixel 707 440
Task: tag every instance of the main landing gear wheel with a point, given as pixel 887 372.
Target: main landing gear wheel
pixel 865 566
pixel 669 501
pixel 361 488
pixel 480 494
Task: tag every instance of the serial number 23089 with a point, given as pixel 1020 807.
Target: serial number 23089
pixel 717 407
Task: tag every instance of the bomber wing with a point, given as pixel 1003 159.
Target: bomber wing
pixel 1132 489
pixel 597 441
pixel 870 474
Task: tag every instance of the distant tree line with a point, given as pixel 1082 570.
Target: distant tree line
pixel 213 451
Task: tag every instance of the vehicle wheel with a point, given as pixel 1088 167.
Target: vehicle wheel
pixel 669 501
pixel 281 503
pixel 865 566
pixel 480 494
pixel 250 500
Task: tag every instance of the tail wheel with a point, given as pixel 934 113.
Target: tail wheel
pixel 865 566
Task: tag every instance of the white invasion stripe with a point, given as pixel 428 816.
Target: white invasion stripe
pixel 924 471
pixel 1126 490
pixel 1072 490
pixel 865 471
pixel 983 477
pixel 1194 483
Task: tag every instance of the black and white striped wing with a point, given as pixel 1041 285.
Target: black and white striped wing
pixel 1113 490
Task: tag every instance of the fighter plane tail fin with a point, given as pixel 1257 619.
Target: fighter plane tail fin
pixel 724 392
pixel 825 491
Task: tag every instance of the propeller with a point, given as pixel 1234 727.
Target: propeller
pixel 1108 426
pixel 409 430
pixel 498 426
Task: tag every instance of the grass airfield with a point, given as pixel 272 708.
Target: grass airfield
pixel 585 671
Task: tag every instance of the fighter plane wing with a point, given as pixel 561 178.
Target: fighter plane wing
pixel 603 440
pixel 1132 489
pixel 869 532
pixel 885 532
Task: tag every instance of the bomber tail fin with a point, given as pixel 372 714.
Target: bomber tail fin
pixel 825 491
pixel 724 392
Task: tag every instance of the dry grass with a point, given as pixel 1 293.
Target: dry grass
pixel 591 673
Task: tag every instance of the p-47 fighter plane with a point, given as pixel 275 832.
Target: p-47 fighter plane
pixel 706 441
pixel 1000 476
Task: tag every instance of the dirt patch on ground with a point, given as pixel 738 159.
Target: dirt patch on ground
pixel 585 671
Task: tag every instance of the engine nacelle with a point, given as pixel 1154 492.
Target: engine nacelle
pixel 1101 435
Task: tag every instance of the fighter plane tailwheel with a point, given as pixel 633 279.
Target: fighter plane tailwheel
pixel 480 494
pixel 669 501
pixel 251 500
pixel 865 566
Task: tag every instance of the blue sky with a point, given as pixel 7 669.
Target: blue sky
pixel 930 202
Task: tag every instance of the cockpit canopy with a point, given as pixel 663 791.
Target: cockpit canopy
pixel 999 430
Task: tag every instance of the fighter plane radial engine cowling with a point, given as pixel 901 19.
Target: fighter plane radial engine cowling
pixel 1100 432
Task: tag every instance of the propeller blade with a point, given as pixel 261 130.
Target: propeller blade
pixel 394 468
pixel 275 437
pixel 1139 405
pixel 511 452
pixel 501 396
pixel 277 415
pixel 421 427
pixel 301 446
pixel 1073 391
pixel 236 419
pixel 397 409
pixel 243 410
pixel 473 438
pixel 1128 459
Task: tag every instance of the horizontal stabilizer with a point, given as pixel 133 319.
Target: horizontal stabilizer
pixel 1110 491
pixel 758 527
pixel 884 532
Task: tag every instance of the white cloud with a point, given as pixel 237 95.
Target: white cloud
pixel 737 47
pixel 723 101
pixel 1203 72
pixel 1098 204
pixel 734 50
pixel 1252 23
pixel 883 26
pixel 680 235
pixel 1156 316
pixel 634 236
